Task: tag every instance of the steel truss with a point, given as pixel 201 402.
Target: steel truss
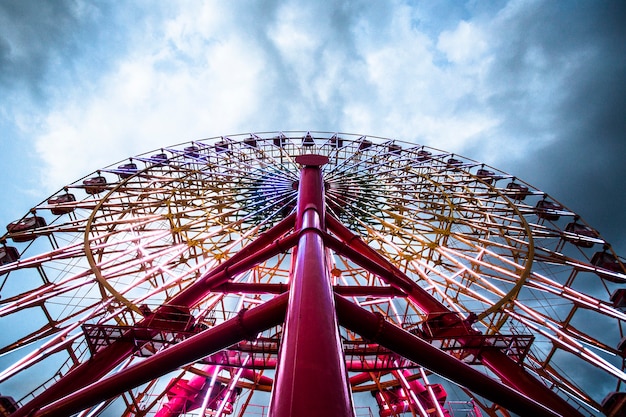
pixel 312 267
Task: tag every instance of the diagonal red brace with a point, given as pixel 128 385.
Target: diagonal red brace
pixel 374 327
pixel 263 247
pixel 507 370
pixel 196 347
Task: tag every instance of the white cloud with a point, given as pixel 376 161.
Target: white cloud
pixel 296 36
pixel 466 45
pixel 196 74
pixel 143 106
pixel 413 95
pixel 193 76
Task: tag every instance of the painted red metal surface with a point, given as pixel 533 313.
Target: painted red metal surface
pixel 204 390
pixel 265 245
pixel 345 290
pixel 311 379
pixel 374 327
pixel 508 370
pixel 186 395
pixel 203 344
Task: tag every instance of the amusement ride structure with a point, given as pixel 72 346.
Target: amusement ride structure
pixel 308 274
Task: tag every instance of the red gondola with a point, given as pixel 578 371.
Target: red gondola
pixel 59 206
pixel 18 227
pixel 8 254
pixel 222 146
pixel 192 151
pixel 608 261
pixel 485 175
pixel 95 185
pixel 548 210
pixel 516 191
pixel 127 170
pixel 336 142
pixel 576 234
pixel 365 144
pixel 395 149
pixel 618 298
pixel 423 155
pixel 308 140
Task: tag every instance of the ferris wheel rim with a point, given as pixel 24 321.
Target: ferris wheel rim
pixel 490 305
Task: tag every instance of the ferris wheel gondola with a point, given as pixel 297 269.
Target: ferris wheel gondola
pixel 159 286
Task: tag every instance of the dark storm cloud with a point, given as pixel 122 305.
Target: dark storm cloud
pixel 45 44
pixel 560 83
pixel 51 51
pixel 33 37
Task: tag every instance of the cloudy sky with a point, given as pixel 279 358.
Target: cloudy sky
pixel 535 88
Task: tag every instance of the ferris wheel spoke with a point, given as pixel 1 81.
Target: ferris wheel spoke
pixel 439 245
pixel 562 340
pixel 579 299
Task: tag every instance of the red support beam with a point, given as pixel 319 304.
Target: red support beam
pixel 224 272
pixel 311 379
pixel 507 370
pixel 263 247
pixel 98 366
pixel 374 327
pixel 367 291
pixel 345 290
pixel 251 288
pixel 369 259
pixel 195 348
pixel 178 402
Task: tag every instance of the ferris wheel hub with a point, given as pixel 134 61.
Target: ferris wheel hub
pixel 312 160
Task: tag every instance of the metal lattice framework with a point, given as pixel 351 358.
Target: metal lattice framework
pixel 159 286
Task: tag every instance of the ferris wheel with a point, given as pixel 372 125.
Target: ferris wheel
pixel 308 273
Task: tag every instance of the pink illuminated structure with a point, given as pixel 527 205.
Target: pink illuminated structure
pixel 203 309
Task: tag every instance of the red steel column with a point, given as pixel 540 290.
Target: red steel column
pixel 311 378
pixel 507 370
